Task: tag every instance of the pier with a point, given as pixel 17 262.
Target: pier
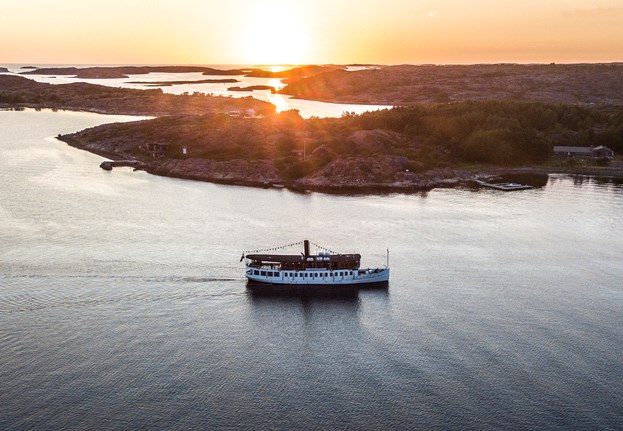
pixel 109 164
pixel 507 187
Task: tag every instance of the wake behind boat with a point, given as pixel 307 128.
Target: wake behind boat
pixel 325 269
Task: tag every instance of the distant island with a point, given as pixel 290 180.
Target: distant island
pixel 171 83
pixel 583 84
pixel 252 88
pixel 294 73
pixel 118 72
pixel 243 141
pixel 80 96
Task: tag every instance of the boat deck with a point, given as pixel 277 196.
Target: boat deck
pixel 317 276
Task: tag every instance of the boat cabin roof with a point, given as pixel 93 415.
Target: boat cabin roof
pixel 293 258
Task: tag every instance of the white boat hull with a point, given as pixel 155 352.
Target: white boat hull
pixel 317 277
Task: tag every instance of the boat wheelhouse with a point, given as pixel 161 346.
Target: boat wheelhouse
pixel 305 269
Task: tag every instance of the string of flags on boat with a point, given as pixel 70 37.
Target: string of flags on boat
pixel 270 249
pixel 282 247
pixel 322 248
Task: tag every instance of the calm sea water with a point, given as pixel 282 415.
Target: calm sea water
pixel 123 304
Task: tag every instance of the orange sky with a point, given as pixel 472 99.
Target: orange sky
pixel 310 31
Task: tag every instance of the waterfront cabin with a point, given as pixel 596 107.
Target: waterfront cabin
pixel 599 152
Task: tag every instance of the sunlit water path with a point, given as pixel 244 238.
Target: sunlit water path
pixel 123 305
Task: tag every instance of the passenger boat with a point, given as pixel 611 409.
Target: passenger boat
pixel 324 269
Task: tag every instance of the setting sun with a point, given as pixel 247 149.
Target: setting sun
pixel 274 34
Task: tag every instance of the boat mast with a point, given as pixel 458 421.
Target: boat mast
pixel 387 264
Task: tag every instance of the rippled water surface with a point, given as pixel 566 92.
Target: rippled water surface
pixel 123 305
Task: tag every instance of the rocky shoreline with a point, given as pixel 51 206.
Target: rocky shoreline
pixel 263 174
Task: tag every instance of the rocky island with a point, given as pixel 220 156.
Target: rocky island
pixel 79 96
pixel 243 141
pixel 587 84
pixel 171 83
pixel 115 72
pixel 403 149
pixel 252 88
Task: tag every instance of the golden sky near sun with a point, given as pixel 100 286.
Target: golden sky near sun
pixel 310 31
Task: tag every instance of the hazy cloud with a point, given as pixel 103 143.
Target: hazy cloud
pixel 435 13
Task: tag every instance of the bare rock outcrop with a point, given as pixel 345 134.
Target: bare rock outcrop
pixel 242 172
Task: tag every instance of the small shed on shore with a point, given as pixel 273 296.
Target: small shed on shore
pixel 155 149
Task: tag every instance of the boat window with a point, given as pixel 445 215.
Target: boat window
pixel 256 272
pixel 262 272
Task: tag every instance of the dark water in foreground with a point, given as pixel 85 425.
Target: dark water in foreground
pixel 122 302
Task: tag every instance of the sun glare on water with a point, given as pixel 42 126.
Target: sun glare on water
pixel 275 35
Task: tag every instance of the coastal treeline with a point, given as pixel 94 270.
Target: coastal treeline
pixel 495 132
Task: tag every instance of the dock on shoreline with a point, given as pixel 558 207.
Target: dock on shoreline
pixel 109 164
pixel 507 187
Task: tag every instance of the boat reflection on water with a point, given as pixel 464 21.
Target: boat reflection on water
pixel 260 290
pixel 314 306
